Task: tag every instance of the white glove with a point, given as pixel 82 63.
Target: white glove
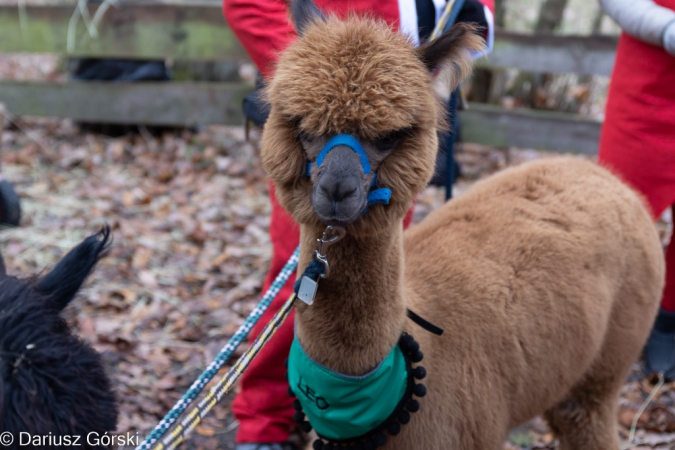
pixel 669 38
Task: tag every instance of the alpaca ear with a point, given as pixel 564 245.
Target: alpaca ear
pixel 3 269
pixel 63 282
pixel 304 13
pixel 453 48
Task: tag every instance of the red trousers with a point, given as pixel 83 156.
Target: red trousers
pixel 263 407
pixel 638 135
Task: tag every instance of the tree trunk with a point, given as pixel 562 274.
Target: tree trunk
pixel 500 13
pixel 596 26
pixel 550 16
pixel 597 21
pixel 480 85
pixel 483 79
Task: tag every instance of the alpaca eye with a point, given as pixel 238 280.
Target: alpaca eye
pixel 294 123
pixel 390 141
pixel 305 138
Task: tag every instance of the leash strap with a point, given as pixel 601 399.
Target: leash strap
pixel 313 271
pixel 180 430
pixel 430 327
pixel 447 19
pixel 225 353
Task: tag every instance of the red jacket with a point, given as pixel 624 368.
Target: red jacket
pixel 638 135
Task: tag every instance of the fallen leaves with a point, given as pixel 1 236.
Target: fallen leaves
pixel 190 250
pixel 190 217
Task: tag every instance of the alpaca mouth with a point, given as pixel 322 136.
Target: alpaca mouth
pixel 338 221
pixel 338 213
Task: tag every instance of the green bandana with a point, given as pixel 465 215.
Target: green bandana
pixel 344 407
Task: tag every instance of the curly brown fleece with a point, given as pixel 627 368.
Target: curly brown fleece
pixel 545 277
pixel 360 78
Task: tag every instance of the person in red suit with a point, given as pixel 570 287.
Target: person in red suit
pixel 638 136
pixel 263 407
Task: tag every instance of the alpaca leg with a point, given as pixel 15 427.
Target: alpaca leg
pixel 586 420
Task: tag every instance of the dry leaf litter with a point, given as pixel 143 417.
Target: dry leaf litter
pixel 190 216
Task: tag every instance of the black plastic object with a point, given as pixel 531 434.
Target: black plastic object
pixel 10 207
pixel 92 69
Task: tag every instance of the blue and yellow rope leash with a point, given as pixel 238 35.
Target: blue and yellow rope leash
pixel 447 19
pixel 316 268
pixel 180 430
pixel 225 353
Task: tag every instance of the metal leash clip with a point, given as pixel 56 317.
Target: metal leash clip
pixel 331 235
pixel 308 286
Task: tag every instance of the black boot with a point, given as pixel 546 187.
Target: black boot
pixel 660 349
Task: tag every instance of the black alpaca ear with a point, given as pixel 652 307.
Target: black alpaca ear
pixel 3 269
pixel 304 13
pixel 63 282
pixel 453 48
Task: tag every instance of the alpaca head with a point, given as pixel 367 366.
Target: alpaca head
pixel 358 77
pixel 50 380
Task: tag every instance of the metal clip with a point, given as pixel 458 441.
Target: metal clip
pixel 331 235
pixel 308 287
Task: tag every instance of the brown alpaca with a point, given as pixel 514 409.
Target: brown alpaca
pixel 546 277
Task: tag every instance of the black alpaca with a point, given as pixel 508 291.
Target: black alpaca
pixel 51 382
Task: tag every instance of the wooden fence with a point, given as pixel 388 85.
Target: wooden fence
pixel 196 30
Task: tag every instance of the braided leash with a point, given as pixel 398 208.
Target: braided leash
pixel 177 434
pixel 448 17
pixel 224 355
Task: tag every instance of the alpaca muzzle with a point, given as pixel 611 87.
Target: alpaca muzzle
pixel 341 188
pixel 344 184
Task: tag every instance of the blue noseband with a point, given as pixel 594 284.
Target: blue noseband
pixel 378 195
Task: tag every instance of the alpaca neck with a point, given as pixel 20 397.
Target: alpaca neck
pixel 359 310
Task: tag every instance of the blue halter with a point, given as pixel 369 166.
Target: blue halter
pixel 378 195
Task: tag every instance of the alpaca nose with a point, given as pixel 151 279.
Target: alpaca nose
pixel 338 189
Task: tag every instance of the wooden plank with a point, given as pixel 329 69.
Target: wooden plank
pixel 150 29
pixel 542 130
pixel 156 103
pixel 220 103
pixel 587 55
pixel 156 29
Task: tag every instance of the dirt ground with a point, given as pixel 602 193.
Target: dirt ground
pixel 190 213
